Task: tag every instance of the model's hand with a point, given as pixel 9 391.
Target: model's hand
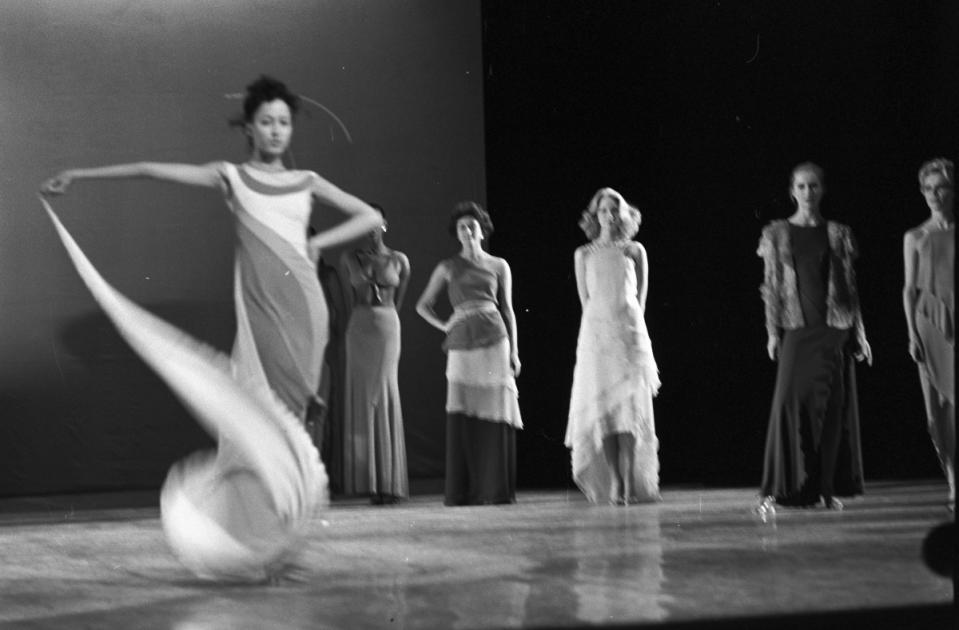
pixel 515 364
pixel 864 353
pixel 772 347
pixel 56 185
pixel 915 350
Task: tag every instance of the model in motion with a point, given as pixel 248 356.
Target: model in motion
pixel 237 514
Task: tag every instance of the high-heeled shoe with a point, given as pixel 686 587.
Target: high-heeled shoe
pixel 766 508
pixel 832 503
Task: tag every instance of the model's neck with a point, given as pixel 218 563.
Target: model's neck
pixel 943 218
pixel 472 252
pixel 806 217
pixel 269 163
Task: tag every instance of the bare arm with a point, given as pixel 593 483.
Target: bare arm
pixel 642 274
pixel 579 264
pixel 362 217
pixel 424 306
pixel 509 316
pixel 206 175
pixel 910 293
pixel 404 280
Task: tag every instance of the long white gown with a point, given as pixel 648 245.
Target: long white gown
pixel 615 377
pixel 240 512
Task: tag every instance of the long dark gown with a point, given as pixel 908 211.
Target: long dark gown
pixel 374 444
pixel 812 443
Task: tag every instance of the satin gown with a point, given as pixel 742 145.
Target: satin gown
pixel 375 445
pixel 239 513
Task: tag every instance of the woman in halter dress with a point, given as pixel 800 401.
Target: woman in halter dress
pixel 611 431
pixel 374 449
pixel 482 403
pixel 237 515
pixel 929 300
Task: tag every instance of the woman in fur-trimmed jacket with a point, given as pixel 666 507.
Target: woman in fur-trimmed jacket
pixel 815 331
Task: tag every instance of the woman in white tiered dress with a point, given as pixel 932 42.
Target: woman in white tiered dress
pixel 611 432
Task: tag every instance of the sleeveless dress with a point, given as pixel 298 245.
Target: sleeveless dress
pixel 482 401
pixel 375 446
pixel 935 324
pixel 615 377
pixel 812 441
pixel 239 513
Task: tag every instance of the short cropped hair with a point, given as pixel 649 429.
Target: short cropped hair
pixel 474 210
pixel 938 165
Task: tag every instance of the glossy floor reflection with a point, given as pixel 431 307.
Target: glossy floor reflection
pixel 550 560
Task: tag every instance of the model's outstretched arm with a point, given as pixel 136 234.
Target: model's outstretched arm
pixel 205 175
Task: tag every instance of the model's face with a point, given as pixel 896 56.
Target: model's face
pixel 608 212
pixel 271 128
pixel 938 192
pixel 468 231
pixel 807 190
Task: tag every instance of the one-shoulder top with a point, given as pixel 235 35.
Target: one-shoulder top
pixel 472 291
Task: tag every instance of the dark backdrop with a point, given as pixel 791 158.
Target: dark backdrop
pixel 696 111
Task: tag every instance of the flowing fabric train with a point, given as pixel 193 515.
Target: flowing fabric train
pixel 237 514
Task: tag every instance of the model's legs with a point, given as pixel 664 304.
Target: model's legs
pixel 941 419
pixel 611 453
pixel 627 464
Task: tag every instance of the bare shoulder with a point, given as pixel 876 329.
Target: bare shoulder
pixel 913 235
pixel 499 264
pixel 317 183
pixel 635 250
pixel 401 258
pixel 443 268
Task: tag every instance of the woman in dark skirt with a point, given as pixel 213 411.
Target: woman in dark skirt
pixel 815 331
pixel 482 403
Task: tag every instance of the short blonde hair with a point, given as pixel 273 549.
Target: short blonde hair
pixel 938 165
pixel 626 229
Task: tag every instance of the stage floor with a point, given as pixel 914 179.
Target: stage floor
pixel 698 558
